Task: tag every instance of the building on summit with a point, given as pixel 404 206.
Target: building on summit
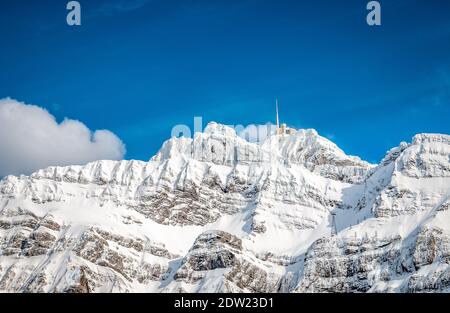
pixel 283 129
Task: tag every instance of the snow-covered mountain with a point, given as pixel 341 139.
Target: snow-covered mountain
pixel 217 213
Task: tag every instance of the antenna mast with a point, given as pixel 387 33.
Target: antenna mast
pixel 276 107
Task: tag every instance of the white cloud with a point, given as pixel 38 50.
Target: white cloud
pixel 257 133
pixel 30 139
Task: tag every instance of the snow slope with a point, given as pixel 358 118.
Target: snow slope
pixel 217 213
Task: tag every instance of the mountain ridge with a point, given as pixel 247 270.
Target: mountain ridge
pixel 218 213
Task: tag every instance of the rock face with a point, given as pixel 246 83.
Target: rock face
pixel 217 213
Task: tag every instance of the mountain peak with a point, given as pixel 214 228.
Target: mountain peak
pixel 427 137
pixel 220 144
pixel 216 128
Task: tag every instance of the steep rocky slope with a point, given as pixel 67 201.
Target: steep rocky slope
pixel 217 213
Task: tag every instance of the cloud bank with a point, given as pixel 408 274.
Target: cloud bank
pixel 30 139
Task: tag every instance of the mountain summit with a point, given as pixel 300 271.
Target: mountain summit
pixel 216 213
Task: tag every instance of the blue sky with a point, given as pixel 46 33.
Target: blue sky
pixel 140 67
